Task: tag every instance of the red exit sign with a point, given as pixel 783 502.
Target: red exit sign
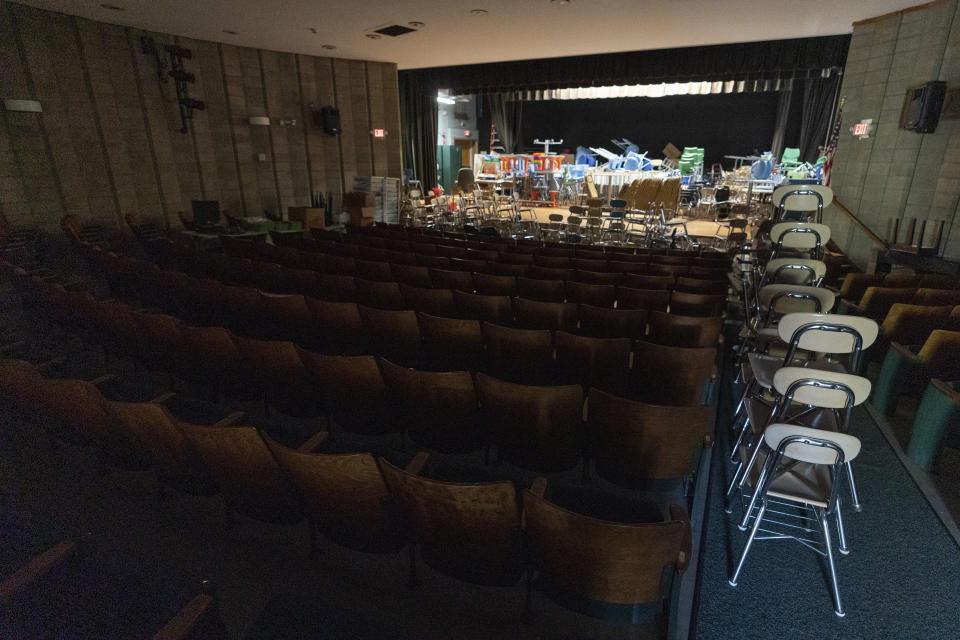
pixel 379 133
pixel 860 128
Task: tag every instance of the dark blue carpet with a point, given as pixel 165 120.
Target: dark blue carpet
pixel 901 579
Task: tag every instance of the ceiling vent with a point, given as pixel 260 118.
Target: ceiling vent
pixel 394 30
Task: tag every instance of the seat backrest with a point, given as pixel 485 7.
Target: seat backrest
pixel 439 409
pixel 601 560
pixel 671 375
pixel 470 531
pixel 633 441
pixel 534 314
pixel 159 438
pixel 651 299
pixel 604 322
pixel 498 309
pixel 776 433
pixel 911 324
pixel 344 495
pixel 493 285
pixel 592 362
pixel 827 340
pixel 800 235
pixel 684 331
pixel 353 390
pixel 789 298
pixel 393 333
pixel 246 472
pixel 820 388
pixel 795 270
pixel 697 304
pixel 543 290
pixel 450 344
pixel 940 355
pixel 536 427
pixel 520 355
pixel 438 302
pixel 340 326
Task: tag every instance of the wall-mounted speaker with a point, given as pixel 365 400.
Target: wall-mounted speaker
pixel 921 107
pixel 328 118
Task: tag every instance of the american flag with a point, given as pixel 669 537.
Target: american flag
pixel 830 149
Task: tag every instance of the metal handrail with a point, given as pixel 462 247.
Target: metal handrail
pixel 861 223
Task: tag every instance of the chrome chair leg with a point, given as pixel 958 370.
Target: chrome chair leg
pixel 841 534
pixel 746 549
pixel 740 437
pixel 834 588
pixel 756 493
pixel 854 496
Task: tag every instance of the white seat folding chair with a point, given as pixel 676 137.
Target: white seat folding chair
pixel 815 398
pixel 797 484
pixel 816 333
pixel 803 239
pixel 798 201
pixel 795 271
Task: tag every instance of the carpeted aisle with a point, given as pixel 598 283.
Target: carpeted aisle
pixel 900 580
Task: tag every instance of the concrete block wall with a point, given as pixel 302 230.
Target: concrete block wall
pixel 895 174
pixel 108 140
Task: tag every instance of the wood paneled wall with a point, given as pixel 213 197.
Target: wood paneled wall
pixel 108 141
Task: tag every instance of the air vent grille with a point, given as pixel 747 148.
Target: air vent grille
pixel 394 30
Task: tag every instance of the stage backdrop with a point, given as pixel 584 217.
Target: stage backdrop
pixel 723 124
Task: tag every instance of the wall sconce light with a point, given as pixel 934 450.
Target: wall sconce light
pixel 32 106
pixel 260 121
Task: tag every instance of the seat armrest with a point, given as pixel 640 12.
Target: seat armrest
pixel 418 463
pixel 163 397
pixel 678 513
pixel 36 568
pixel 107 377
pixel 180 626
pixel 229 419
pixel 314 443
pixel 539 487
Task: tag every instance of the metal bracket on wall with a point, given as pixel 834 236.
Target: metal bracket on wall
pixel 180 76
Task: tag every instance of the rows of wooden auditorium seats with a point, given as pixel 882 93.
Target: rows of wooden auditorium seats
pixel 486 534
pixel 493 300
pixel 203 354
pixel 855 285
pixel 911 324
pixel 877 302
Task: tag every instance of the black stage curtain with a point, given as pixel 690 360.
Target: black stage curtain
pixel 819 97
pixel 741 61
pixel 418 125
pixel 506 116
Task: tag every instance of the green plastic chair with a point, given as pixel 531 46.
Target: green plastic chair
pixel 938 414
pixel 790 157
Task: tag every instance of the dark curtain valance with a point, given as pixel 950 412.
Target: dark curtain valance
pixel 742 61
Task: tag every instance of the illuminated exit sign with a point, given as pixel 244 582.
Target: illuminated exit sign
pixel 862 129
pixel 379 133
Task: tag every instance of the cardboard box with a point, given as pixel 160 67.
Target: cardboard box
pixel 310 217
pixel 360 215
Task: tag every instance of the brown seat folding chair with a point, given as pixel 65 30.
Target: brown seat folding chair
pixel 650 299
pixel 338 328
pixel 684 331
pixel 542 290
pixel 635 443
pixel 393 334
pixel 379 295
pixel 344 496
pixel 534 427
pixel 492 285
pixel 158 437
pixel 247 474
pixel 437 302
pixel 585 559
pixel 498 309
pixel 524 356
pixel 603 363
pixel 598 295
pixel 672 375
pixel 469 531
pixel 411 275
pixel 452 279
pixel 603 322
pixel 696 304
pixel 644 281
pixel 278 375
pixel 438 409
pixel 556 316
pixel 353 390
pixel 450 344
